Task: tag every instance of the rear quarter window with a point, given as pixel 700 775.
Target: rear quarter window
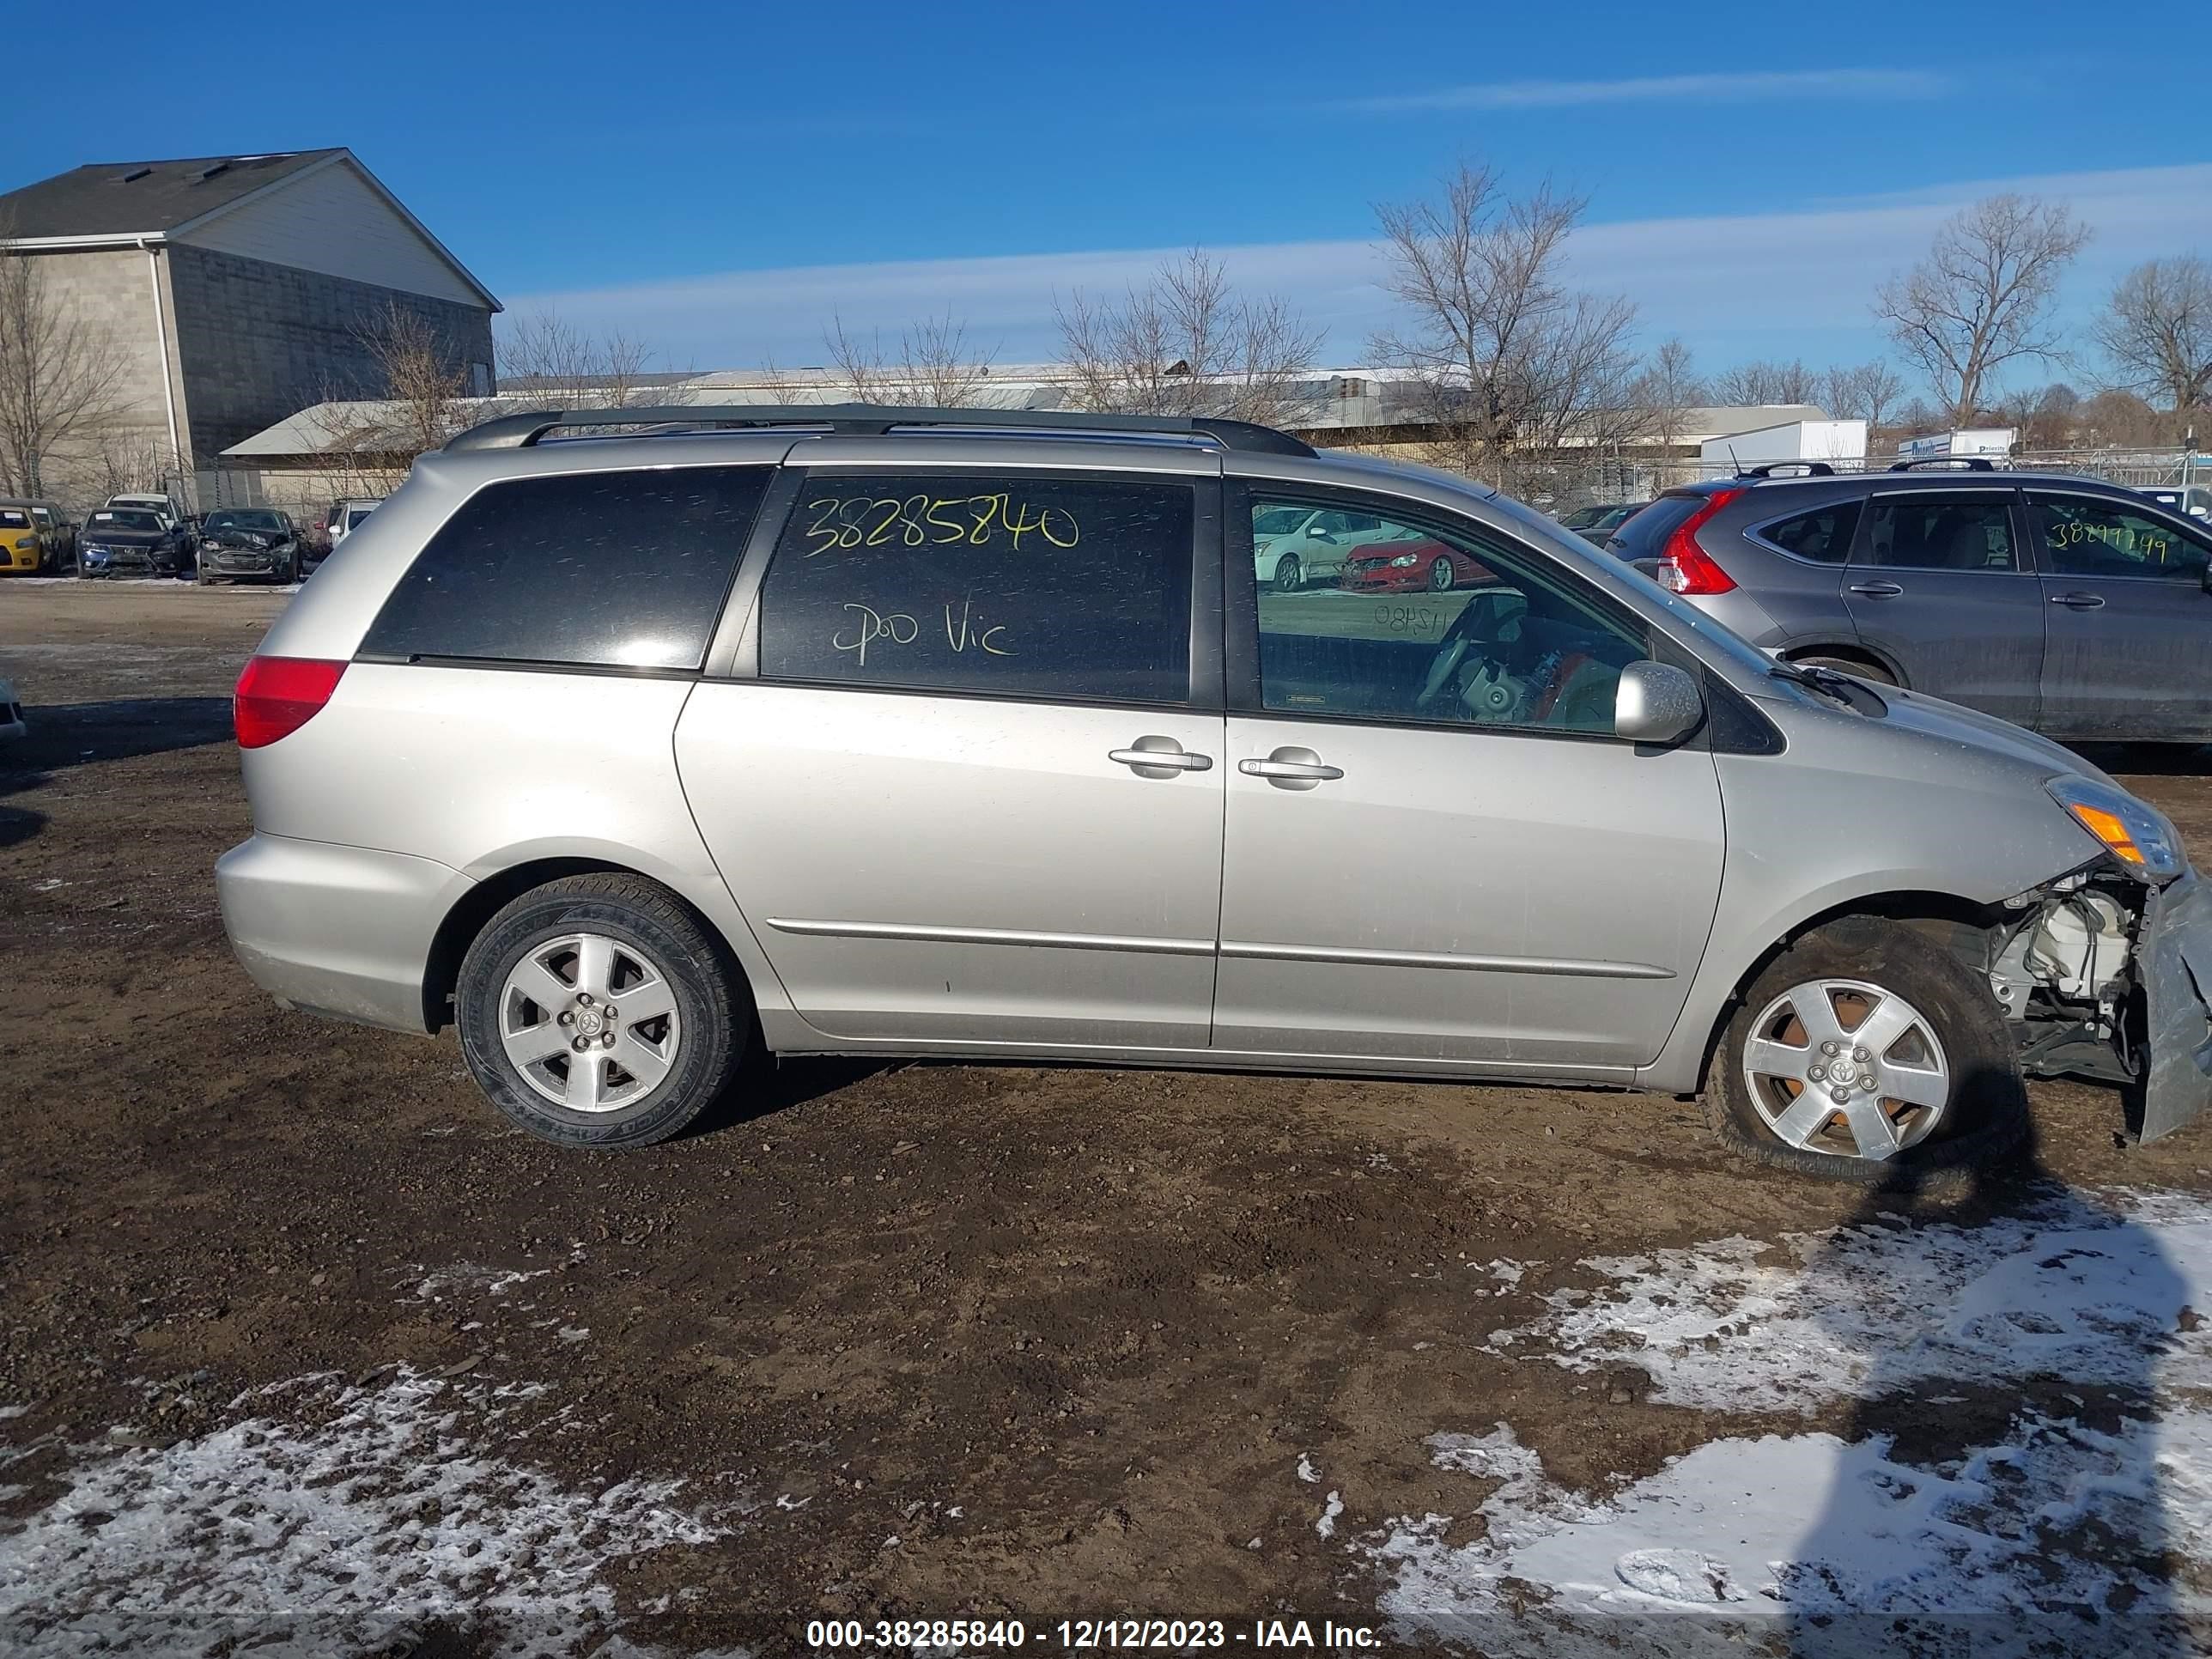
pixel 598 569
pixel 1822 534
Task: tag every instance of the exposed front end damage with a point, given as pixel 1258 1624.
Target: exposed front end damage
pixel 2105 976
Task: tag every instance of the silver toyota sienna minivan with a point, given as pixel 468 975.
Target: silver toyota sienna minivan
pixel 858 731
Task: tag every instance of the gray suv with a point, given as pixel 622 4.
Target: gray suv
pixel 911 732
pixel 2072 607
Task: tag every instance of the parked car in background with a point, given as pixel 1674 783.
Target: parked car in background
pixel 56 533
pixel 346 517
pixel 2064 604
pixel 1299 543
pixel 135 540
pixel 2194 502
pixel 241 542
pixel 980 735
pixel 23 553
pixel 1410 562
pixel 149 502
pixel 1597 524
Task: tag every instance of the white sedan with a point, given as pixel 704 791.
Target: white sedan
pixel 1292 545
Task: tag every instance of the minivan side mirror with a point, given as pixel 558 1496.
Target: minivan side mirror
pixel 1655 703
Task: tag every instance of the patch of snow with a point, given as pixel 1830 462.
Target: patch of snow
pixel 1740 1539
pixel 1327 1525
pixel 1306 1469
pixel 2071 1289
pixel 9 1413
pixel 436 1283
pixel 349 1535
pixel 2058 1527
pixel 573 1333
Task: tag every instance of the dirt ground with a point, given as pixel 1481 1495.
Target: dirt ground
pixel 926 1339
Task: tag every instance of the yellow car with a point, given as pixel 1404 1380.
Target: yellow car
pixel 20 551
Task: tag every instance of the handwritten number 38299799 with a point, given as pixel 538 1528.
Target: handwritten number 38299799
pixel 933 521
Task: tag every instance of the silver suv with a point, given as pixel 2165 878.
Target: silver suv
pixel 900 733
pixel 2066 604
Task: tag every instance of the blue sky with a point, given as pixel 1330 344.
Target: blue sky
pixel 717 179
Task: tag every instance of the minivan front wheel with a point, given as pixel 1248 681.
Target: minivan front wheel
pixel 596 1012
pixel 1865 1051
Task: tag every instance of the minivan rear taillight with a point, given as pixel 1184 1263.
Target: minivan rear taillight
pixel 1686 567
pixel 277 695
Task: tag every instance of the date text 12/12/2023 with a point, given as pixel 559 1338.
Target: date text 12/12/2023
pixel 1089 1635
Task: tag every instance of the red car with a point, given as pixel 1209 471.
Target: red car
pixel 1412 565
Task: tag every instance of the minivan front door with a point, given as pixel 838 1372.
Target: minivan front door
pixel 2130 622
pixel 1435 850
pixel 1937 584
pixel 969 799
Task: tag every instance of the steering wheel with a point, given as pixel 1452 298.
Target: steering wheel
pixel 1489 620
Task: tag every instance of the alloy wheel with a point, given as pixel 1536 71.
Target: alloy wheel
pixel 1846 1068
pixel 590 1022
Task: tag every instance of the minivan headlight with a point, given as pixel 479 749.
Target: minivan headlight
pixel 2137 835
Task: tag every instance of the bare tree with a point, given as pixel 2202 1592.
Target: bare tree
pixel 2156 331
pixel 1187 344
pixel 63 377
pixel 1868 392
pixel 423 385
pixel 1666 391
pixel 1982 297
pixel 1513 364
pixel 573 367
pixel 1767 381
pixel 932 367
pixel 2121 420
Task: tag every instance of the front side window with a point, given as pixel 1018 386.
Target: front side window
pixel 1058 589
pixel 1451 626
pixel 1823 535
pixel 604 570
pixel 2083 536
pixel 1928 531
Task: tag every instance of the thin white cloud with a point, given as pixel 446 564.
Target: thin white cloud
pixel 1792 282
pixel 1747 88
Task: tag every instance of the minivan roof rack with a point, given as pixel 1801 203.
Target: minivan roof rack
pixel 1810 468
pixel 868 420
pixel 1962 463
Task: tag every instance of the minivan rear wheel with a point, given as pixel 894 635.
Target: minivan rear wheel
pixel 595 1011
pixel 1864 1052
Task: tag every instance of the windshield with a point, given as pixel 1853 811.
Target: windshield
pixel 124 519
pixel 13 520
pixel 1280 521
pixel 245 520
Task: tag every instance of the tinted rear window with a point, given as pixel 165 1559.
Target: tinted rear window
pixel 1642 536
pixel 611 570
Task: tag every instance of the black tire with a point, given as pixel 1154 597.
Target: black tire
pixel 1986 1113
pixel 716 1023
pixel 1442 575
pixel 1288 573
pixel 1866 671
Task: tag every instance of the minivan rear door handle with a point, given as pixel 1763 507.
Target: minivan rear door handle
pixel 1877 590
pixel 1159 758
pixel 2079 601
pixel 1291 768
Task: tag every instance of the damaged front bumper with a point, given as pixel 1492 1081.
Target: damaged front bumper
pixel 2174 958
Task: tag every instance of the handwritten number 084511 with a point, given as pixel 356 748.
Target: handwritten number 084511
pixel 933 521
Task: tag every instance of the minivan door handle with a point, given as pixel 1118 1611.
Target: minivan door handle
pixel 2079 601
pixel 1291 768
pixel 1877 590
pixel 1159 758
